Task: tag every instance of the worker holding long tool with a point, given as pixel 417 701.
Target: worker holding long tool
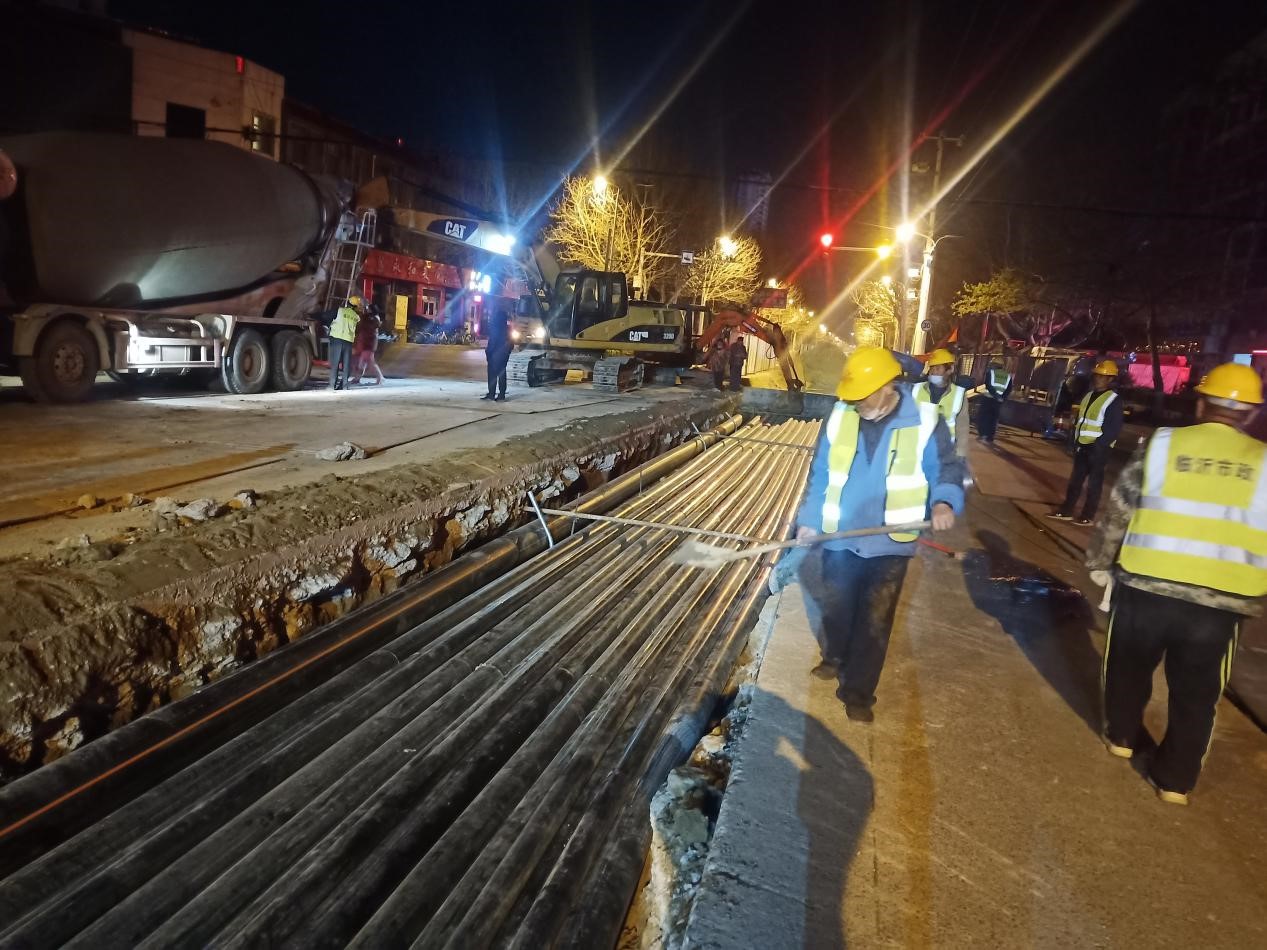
pixel 1184 545
pixel 883 459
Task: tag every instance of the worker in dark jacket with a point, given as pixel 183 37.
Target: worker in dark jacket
pixel 883 459
pixel 738 357
pixel 1182 543
pixel 998 386
pixel 497 352
pixel 718 361
pixel 1097 424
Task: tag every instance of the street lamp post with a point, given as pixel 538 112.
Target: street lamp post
pixel 919 342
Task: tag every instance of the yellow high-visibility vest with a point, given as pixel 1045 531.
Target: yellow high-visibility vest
pixel 949 405
pixel 1091 413
pixel 1202 514
pixel 344 324
pixel 905 485
pixel 1000 379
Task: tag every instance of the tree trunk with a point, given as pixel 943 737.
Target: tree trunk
pixel 1159 385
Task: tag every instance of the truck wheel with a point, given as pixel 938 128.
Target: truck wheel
pixel 292 361
pixel 64 366
pixel 246 367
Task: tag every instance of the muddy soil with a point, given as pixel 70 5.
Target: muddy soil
pixel 94 634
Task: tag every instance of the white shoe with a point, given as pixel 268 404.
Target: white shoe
pixel 1121 751
pixel 1167 796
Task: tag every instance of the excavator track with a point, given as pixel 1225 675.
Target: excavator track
pixel 530 368
pixel 618 374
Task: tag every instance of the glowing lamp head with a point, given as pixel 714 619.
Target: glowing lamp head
pixel 905 231
pixel 827 239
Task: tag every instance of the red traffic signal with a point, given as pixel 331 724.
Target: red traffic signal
pixel 827 240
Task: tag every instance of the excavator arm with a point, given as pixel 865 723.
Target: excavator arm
pixel 765 330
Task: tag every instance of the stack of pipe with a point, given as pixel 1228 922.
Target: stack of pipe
pixel 483 778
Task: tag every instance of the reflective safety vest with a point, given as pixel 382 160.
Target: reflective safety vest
pixel 344 325
pixel 1202 513
pixel 949 405
pixel 905 485
pixel 1091 410
pixel 1000 379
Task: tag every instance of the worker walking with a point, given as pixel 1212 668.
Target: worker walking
pixel 365 350
pixel 738 357
pixel 998 386
pixel 883 458
pixel 1097 424
pixel 497 352
pixel 342 336
pixel 949 393
pixel 1185 542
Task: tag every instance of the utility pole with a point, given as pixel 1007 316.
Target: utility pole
pixel 919 340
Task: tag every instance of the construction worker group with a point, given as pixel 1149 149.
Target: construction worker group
pixel 1182 546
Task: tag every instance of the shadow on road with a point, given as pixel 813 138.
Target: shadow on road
pixel 1049 620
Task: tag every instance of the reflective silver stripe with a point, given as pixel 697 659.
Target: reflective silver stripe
pixel 1156 460
pixel 1205 509
pixel 831 512
pixel 956 402
pixel 834 421
pixel 1205 549
pixel 837 479
pixel 903 482
pixel 1089 425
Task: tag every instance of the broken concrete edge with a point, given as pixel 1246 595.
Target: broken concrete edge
pixel 101 666
pixel 685 810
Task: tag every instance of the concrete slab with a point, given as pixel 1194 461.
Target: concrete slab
pixel 199 444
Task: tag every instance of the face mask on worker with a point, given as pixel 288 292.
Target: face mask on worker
pixel 937 379
pixel 878 405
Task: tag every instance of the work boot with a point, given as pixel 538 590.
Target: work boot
pixel 825 670
pixel 489 396
pixel 1057 515
pixel 1121 751
pixel 500 398
pixel 858 710
pixel 1167 796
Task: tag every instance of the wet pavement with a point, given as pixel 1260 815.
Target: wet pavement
pixel 980 808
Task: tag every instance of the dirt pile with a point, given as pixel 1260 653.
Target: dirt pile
pixel 95 634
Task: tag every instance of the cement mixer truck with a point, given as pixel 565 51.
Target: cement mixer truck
pixel 156 258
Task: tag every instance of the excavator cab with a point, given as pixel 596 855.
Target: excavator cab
pixel 585 298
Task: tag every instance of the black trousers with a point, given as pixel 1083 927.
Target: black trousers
pixel 340 363
pixel 856 598
pixel 1088 466
pixel 736 376
pixel 988 418
pixel 1197 644
pixel 497 372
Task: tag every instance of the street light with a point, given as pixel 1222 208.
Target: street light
pixel 599 186
pixel 729 246
pixel 884 251
pixel 886 280
pixel 822 328
pixel 905 231
pixel 772 282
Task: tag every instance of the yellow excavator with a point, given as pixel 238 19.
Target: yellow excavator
pixel 588 323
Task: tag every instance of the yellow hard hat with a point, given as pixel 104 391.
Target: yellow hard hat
pixel 940 356
pixel 866 370
pixel 1106 368
pixel 1233 381
pixel 354 301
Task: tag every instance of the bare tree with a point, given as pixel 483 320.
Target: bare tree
pixel 728 272
pixel 876 321
pixel 602 229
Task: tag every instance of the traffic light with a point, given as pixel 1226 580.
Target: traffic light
pixel 827 239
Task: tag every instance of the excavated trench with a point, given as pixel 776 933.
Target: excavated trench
pixel 98 634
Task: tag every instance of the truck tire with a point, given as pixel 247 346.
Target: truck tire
pixel 292 361
pixel 247 364
pixel 64 366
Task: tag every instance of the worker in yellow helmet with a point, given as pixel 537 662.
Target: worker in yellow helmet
pixel 342 336
pixel 997 387
pixel 882 459
pixel 1096 426
pixel 1184 542
pixel 949 393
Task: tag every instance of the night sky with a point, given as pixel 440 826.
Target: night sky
pixel 760 83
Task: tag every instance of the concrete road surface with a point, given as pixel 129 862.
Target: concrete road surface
pixel 196 443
